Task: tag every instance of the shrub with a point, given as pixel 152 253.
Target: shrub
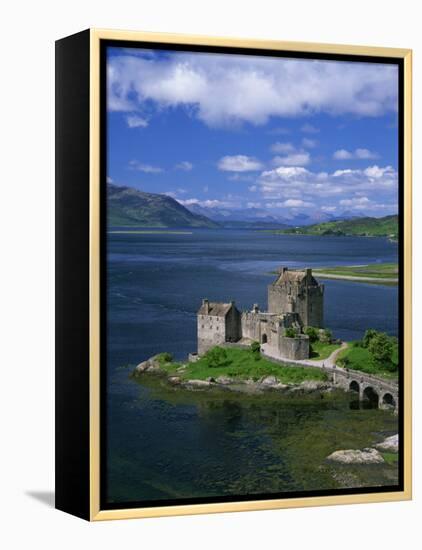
pixel 164 357
pixel 313 334
pixel 255 347
pixel 290 332
pixel 216 357
pixel 256 350
pixel 325 336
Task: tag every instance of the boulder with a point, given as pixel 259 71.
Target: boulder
pixel 200 384
pixel 174 380
pixel 355 456
pixel 269 381
pixel 224 380
pixel 390 444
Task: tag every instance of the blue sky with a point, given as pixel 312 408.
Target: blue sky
pixel 282 135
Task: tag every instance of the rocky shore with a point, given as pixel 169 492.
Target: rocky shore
pixel 264 384
pixel 370 455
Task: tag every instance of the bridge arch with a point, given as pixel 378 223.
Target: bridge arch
pixel 388 399
pixel 354 386
pixel 371 396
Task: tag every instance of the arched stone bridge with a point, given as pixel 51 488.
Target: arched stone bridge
pixel 382 393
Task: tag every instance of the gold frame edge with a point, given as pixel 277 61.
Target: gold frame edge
pixel 96 514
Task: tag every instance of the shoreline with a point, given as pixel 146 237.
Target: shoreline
pixel 268 383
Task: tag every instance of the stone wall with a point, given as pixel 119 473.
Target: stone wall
pixel 250 325
pixel 306 300
pixel 294 348
pixel 211 332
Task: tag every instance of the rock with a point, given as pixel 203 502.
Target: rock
pixel 312 385
pixel 175 380
pixel 355 456
pixel 269 381
pixel 390 444
pixel 281 387
pixel 224 380
pixel 198 384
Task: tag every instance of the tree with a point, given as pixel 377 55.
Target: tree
pixel 369 334
pixel 312 332
pixel 216 357
pixel 381 347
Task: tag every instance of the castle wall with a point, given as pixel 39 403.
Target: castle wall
pixel 305 300
pixel 294 348
pixel 211 332
pixel 233 325
pixel 250 326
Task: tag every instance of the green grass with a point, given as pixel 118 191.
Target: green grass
pixel 377 271
pixel 390 458
pixel 241 364
pixel 321 350
pixel 360 359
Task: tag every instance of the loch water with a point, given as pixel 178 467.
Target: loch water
pixel 172 445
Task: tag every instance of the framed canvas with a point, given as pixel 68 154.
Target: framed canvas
pixel 233 274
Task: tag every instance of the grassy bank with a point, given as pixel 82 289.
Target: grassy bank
pixel 359 227
pixel 322 350
pixel 387 272
pixel 360 359
pixel 242 364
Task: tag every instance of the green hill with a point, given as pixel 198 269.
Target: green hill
pixel 127 206
pixel 363 227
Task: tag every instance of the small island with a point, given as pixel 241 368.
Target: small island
pixel 284 349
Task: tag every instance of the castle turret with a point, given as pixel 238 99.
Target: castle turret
pixel 297 292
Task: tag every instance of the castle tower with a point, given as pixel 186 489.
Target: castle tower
pixel 217 323
pixel 297 292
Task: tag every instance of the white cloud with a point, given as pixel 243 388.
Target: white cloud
pixel 342 154
pixel 279 147
pixel 252 188
pixel 289 155
pixel 299 183
pixel 209 203
pixel 309 129
pixel 185 166
pixel 135 121
pixel 222 90
pixel 359 154
pixel 147 168
pixel 294 159
pixel 297 203
pixel 309 143
pixel 109 180
pixel 239 163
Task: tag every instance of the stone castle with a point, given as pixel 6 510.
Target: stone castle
pixel 295 301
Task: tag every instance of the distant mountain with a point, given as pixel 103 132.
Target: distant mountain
pixel 365 227
pixel 128 206
pixel 253 217
pixel 220 214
